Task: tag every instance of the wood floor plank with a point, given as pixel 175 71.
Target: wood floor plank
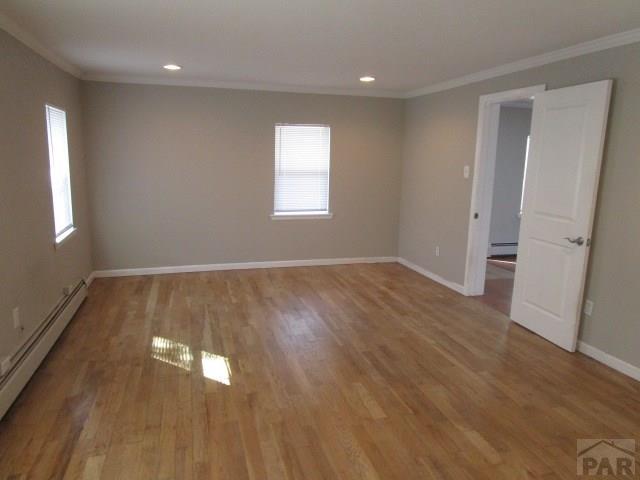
pixel 340 372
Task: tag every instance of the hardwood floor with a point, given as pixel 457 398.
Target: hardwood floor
pixel 342 372
pixel 498 285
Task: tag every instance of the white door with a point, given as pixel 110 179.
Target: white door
pixel 567 136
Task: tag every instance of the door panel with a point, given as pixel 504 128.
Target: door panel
pixel 567 138
pixel 560 162
pixel 545 283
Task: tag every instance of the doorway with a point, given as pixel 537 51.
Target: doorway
pixel 501 150
pixel 514 127
pixel 560 185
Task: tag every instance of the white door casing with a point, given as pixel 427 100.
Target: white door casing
pixel 483 180
pixel 567 138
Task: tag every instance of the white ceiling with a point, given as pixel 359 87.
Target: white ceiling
pixel 321 45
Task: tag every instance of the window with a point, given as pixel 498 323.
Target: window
pixel 59 171
pixel 302 170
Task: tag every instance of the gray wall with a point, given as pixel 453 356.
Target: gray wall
pixel 193 168
pixel 513 130
pixel 184 176
pixel 32 271
pixel 440 140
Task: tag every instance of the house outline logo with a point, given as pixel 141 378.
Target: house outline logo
pixel 599 456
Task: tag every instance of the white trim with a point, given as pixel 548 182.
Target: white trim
pixel 300 216
pixel 526 104
pixel 90 278
pixel 261 87
pixel 64 236
pixel 482 188
pixel 592 46
pixel 609 360
pixel 27 363
pixel 34 44
pixel 126 272
pixel 436 278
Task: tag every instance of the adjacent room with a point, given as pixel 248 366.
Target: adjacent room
pixel 511 152
pixel 317 240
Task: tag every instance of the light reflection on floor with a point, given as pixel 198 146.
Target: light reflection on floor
pixel 174 353
pixel 214 367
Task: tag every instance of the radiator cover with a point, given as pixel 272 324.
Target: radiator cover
pixel 32 354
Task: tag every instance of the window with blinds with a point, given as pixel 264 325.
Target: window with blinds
pixel 59 172
pixel 302 170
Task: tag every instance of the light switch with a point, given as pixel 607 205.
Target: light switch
pixel 465 171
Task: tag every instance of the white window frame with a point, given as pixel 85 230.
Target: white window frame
pixel 293 215
pixel 68 230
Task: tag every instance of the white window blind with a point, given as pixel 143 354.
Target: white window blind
pixel 59 171
pixel 302 170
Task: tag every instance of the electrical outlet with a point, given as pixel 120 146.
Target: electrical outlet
pixel 437 251
pixel 16 318
pixel 5 366
pixel 588 308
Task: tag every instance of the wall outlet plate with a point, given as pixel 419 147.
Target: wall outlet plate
pixel 588 308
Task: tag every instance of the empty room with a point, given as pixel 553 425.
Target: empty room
pixel 308 240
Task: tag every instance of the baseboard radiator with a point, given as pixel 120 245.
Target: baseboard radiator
pixel 27 359
pixel 503 248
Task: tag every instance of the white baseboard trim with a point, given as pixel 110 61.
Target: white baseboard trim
pixel 609 360
pixel 436 278
pixel 28 361
pixel 127 272
pixel 90 278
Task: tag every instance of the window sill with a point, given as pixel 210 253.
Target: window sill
pixel 301 216
pixel 63 237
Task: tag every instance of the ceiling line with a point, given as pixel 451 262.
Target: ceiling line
pixel 13 29
pixel 591 46
pixel 263 87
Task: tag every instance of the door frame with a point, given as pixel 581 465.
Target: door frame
pixel 483 179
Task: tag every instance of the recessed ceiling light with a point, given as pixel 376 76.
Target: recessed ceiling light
pixel 171 66
pixel 367 79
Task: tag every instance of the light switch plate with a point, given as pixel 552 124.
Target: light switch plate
pixel 466 171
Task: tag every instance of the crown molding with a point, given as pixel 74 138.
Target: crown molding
pixel 592 46
pixel 13 29
pixel 264 87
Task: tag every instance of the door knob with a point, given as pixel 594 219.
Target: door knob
pixel 578 240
